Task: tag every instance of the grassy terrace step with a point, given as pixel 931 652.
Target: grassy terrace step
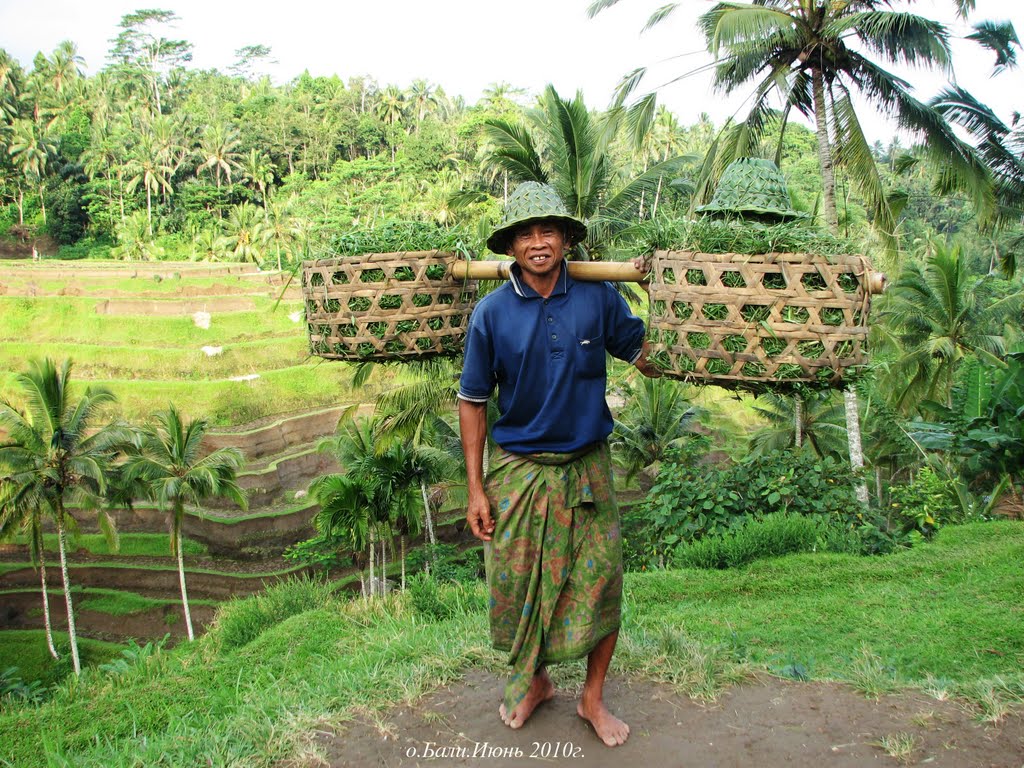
pixel 150 579
pixel 227 403
pixel 94 361
pixel 115 602
pixel 65 319
pixel 129 544
pixel 49 284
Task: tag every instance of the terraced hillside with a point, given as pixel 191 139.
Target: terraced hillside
pixel 224 342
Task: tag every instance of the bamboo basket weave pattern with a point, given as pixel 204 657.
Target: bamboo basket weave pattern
pixel 385 306
pixel 743 321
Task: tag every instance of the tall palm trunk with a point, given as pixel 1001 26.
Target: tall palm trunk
pixel 46 608
pixel 42 203
pixel 401 540
pixel 828 178
pixel 428 518
pixel 798 421
pixel 853 436
pixel 179 513
pixel 373 552
pixel 62 547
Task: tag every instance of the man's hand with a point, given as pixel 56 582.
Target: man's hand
pixel 478 515
pixel 645 366
pixel 642 264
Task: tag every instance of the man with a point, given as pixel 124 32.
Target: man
pixel 547 511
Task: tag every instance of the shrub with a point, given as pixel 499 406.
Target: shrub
pixel 15 691
pixel 447 563
pixel 437 602
pixel 690 501
pixel 925 504
pixel 771 536
pixel 243 620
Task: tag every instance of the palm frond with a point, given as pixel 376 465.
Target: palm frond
pixel 659 16
pixel 1000 37
pixel 514 151
pixel 899 37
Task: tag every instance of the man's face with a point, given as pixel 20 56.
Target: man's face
pixel 539 248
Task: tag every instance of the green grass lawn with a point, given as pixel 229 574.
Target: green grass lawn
pixel 94 361
pixel 62 319
pixel 26 650
pixel 948 610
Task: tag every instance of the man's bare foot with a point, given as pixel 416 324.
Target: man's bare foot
pixel 607 726
pixel 541 690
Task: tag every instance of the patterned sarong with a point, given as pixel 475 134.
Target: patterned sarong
pixel 554 563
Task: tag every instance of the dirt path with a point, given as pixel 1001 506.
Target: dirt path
pixel 765 723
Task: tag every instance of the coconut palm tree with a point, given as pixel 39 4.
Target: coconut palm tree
pixel 31 151
pixel 820 416
pixel 149 167
pixel 656 419
pixel 934 316
pixel 55 455
pixel 817 57
pixel 565 145
pixel 257 170
pixel 217 150
pixel 171 465
pixel 21 510
pixel 245 233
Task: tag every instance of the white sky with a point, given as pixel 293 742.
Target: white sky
pixel 465 45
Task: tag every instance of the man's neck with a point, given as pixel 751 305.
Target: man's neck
pixel 544 285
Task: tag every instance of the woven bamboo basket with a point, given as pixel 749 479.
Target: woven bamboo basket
pixel 742 322
pixel 386 306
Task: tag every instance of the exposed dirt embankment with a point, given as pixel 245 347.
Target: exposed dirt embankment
pixel 278 437
pixel 24 610
pixel 158 583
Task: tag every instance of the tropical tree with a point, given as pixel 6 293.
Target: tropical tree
pixel 141 51
pixel 56 455
pixel 812 421
pixel 818 57
pixel 565 145
pixel 245 233
pixel 281 229
pixel 171 464
pixel 347 516
pixel 21 510
pixel 257 170
pixel 31 151
pixel 218 150
pixel 936 315
pixel 148 166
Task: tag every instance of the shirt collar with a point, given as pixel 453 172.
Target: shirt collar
pixel 519 285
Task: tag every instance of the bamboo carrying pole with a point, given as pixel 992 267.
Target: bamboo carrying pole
pixel 594 271
pixel 590 271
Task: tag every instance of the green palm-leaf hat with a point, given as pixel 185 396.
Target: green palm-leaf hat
pixel 752 185
pixel 532 201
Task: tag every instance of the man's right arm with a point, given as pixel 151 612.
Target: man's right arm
pixel 473 430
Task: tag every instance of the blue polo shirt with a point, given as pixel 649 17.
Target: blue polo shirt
pixel 547 359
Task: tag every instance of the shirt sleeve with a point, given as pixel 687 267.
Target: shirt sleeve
pixel 478 379
pixel 625 331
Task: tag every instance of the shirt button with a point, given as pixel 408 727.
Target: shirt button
pixel 554 337
pixel 551 319
pixel 545 302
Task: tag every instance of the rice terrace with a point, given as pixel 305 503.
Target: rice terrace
pixel 243 452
